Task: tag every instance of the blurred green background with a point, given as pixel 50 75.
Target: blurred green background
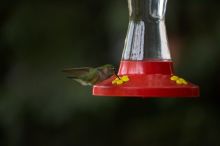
pixel 40 107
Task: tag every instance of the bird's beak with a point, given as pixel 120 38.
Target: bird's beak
pixel 116 73
pixel 113 68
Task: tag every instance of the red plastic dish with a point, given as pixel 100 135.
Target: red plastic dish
pixel 146 79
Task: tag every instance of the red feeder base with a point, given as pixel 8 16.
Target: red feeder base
pixel 146 79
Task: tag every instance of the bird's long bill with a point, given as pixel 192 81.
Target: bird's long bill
pixel 116 74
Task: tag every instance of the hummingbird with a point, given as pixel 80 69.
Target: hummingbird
pixel 88 76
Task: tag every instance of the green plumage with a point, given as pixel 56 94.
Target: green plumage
pixel 88 75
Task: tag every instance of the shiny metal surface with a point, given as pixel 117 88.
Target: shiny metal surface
pixel 146 36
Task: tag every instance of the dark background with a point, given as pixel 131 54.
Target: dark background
pixel 40 107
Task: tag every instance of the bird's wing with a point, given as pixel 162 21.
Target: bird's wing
pixel 76 72
pixel 84 83
pixel 85 76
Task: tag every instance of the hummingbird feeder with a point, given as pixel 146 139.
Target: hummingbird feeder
pixel 146 68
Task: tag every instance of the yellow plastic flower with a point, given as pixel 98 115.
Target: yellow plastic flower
pixel 120 81
pixel 125 78
pixel 174 78
pixel 115 81
pixel 183 81
pixel 179 81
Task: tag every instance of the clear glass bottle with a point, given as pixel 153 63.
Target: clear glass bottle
pixel 146 37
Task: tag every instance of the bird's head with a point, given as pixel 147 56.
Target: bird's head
pixel 108 69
